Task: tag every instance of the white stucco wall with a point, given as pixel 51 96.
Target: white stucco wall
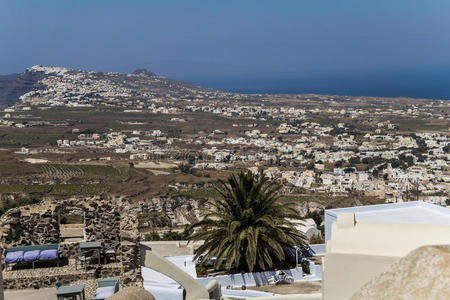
pixel 415 212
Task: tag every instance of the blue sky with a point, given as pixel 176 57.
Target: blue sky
pixel 218 39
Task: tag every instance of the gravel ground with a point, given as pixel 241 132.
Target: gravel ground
pixel 89 287
pixel 302 287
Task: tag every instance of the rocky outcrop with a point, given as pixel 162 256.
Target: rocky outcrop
pixel 422 274
pixel 15 85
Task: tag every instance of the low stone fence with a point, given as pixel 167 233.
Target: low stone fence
pixel 44 279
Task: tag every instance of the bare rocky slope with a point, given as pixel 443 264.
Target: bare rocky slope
pixel 42 84
pixel 15 85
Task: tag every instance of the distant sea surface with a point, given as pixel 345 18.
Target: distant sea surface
pixel 434 84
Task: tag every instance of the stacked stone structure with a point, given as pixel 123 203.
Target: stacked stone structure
pixel 106 219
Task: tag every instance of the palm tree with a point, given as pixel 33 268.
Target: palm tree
pixel 247 228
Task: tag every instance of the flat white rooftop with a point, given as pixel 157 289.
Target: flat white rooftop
pixel 415 212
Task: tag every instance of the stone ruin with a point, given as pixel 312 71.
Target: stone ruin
pixel 106 219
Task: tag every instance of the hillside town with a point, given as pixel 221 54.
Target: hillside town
pixel 127 165
pixel 224 150
pixel 323 144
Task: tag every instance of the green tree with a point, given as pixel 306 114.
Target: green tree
pixel 316 239
pixel 152 236
pixel 339 164
pixel 173 236
pixel 247 228
pixel 354 160
pixel 316 216
pixel 185 168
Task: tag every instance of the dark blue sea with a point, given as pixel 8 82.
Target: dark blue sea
pixel 432 84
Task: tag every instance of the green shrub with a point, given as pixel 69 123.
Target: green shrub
pixel 316 239
pixel 8 204
pixel 200 269
pixel 316 216
pixel 173 236
pixel 305 267
pixel 152 236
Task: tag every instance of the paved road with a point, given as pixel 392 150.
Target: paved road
pixel 31 294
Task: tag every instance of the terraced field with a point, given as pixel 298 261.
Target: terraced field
pixel 66 172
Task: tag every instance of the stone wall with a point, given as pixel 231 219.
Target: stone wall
pixel 39 223
pixel 102 221
pixel 30 226
pixel 179 209
pixel 130 251
pixel 106 219
pixel 69 250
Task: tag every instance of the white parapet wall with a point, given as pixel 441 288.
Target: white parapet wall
pixel 414 212
pixel 359 251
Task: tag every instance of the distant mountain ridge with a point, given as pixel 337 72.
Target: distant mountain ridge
pixel 58 85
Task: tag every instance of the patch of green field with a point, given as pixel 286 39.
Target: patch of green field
pixel 37 188
pixel 323 120
pixel 57 189
pixel 420 124
pixel 12 188
pixel 79 189
pixel 16 168
pixel 22 188
pixel 305 198
pixel 25 140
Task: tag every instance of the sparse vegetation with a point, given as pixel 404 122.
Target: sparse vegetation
pixel 56 189
pixel 8 204
pixel 71 219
